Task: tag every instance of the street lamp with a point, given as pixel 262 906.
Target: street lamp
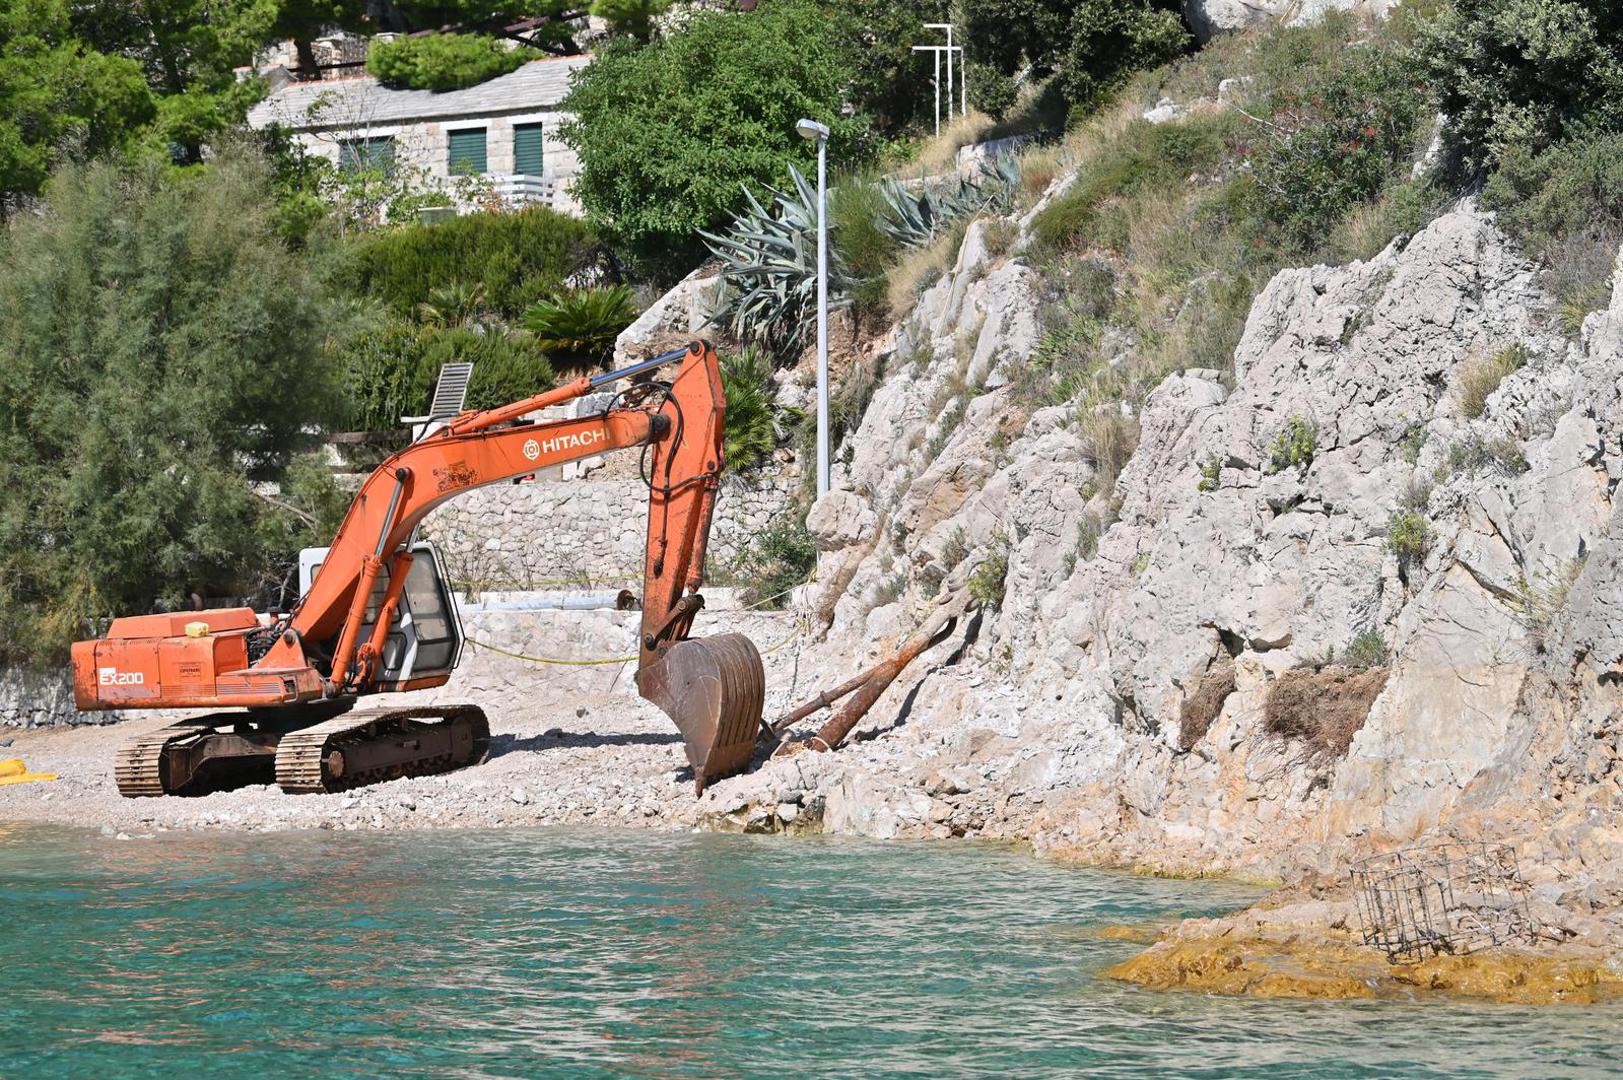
pixel 811 129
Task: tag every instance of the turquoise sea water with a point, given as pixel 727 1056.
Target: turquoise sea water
pixel 610 953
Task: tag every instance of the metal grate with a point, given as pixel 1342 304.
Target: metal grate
pixel 451 392
pixel 1450 897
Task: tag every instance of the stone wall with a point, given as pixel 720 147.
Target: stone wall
pixel 564 531
pixel 42 699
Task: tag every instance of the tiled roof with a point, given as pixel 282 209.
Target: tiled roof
pixel 361 102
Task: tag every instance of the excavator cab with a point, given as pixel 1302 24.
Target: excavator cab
pixel 425 637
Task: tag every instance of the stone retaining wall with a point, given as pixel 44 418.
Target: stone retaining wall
pixel 42 699
pixel 568 530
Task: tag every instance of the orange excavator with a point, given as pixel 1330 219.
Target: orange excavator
pixel 378 617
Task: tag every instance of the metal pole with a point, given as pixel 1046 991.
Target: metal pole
pixel 949 71
pixel 822 318
pixel 936 82
pixel 963 79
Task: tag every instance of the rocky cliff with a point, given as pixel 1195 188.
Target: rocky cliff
pixel 1407 459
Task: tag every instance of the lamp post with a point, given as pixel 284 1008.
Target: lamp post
pixel 811 129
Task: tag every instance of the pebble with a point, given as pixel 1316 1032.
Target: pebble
pixel 519 796
pixel 348 802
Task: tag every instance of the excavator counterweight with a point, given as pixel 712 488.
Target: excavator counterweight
pixel 377 614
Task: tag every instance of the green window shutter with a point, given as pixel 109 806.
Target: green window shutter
pixel 374 152
pixel 468 151
pixel 527 149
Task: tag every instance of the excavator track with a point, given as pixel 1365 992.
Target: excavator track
pixel 139 768
pixel 373 745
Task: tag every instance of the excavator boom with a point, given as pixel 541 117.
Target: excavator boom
pixel 299 672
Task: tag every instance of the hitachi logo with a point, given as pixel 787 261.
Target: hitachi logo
pixel 108 676
pixel 572 441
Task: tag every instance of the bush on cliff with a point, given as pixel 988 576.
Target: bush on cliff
pixel 161 362
pixel 1519 75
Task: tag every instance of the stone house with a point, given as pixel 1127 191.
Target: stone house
pixel 504 130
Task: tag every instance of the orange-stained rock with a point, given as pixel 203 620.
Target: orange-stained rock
pixel 1332 968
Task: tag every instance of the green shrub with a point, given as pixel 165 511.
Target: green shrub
pixel 1408 536
pixel 578 327
pixel 1475 454
pixel 1481 377
pixel 1517 75
pixel 1108 40
pixel 514 259
pixel 1294 446
pixel 782 557
pixel 1565 206
pixel 866 250
pixel 988 580
pixel 1144 157
pixel 162 359
pixel 384 375
pixel 388 370
pixel 1366 650
pixel 443 61
pixel 755 423
pixel 1211 470
pixel 1334 140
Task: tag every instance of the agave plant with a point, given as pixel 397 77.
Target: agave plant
pixel 769 264
pixel 579 327
pixel 915 215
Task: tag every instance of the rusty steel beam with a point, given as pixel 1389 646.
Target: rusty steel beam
pixel 865 689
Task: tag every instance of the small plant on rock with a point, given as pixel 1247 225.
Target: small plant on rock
pixel 1210 472
pixel 1408 536
pixel 1294 446
pixel 1412 442
pixel 987 581
pixel 1366 650
pixel 1480 378
pixel 1474 454
pixel 1538 601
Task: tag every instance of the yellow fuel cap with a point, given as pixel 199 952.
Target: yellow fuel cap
pixel 197 629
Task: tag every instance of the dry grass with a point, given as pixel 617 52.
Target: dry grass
pixel 1110 439
pixel 1201 708
pixel 920 268
pixel 1039 167
pixel 1322 709
pixel 1481 377
pixel 939 153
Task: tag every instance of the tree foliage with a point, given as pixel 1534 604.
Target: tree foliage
pixel 1518 74
pixel 442 61
pixel 515 259
pixel 669 132
pixel 1094 45
pixel 161 359
pixel 53 89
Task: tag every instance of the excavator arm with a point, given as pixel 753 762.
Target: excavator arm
pixel 322 652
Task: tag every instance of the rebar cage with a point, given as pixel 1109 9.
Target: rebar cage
pixel 1451 897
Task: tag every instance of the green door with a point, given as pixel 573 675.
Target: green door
pixel 527 149
pixel 467 151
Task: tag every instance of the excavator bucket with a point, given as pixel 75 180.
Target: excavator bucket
pixel 714 688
